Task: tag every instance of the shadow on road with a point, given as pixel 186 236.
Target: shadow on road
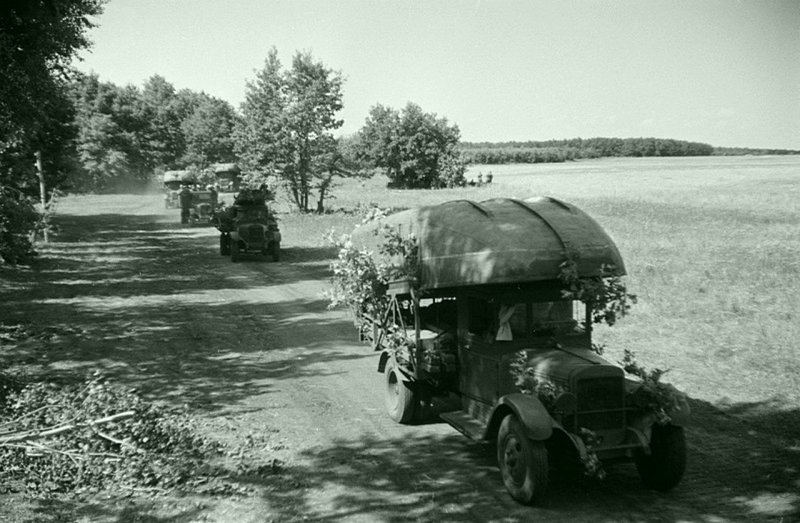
pixel 154 305
pixel 731 477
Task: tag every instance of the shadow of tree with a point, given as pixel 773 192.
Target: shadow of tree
pixel 61 510
pixel 733 475
pixel 154 306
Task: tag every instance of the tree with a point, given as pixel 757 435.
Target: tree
pixel 162 110
pixel 417 149
pixel 208 131
pixel 38 39
pixel 101 142
pixel 342 162
pixel 287 123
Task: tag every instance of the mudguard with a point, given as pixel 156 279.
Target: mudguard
pixel 382 362
pixel 530 412
pixel 385 357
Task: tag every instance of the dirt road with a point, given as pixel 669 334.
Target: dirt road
pixel 253 351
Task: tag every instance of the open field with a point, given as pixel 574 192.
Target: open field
pixel 712 248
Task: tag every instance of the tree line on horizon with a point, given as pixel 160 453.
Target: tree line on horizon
pixel 578 149
pixel 589 148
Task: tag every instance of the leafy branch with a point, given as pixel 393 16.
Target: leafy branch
pixel 653 396
pixel 606 294
pixel 359 281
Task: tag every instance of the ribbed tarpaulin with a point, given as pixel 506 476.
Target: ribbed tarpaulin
pixel 499 241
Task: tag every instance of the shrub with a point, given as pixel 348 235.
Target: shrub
pixel 18 221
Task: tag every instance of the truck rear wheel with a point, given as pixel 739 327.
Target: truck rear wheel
pixel 234 247
pixel 522 461
pixel 399 398
pixel 663 468
pixel 224 244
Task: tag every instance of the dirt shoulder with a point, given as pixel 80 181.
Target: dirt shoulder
pixel 261 363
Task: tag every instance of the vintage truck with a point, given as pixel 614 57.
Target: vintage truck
pixel 228 176
pixel 248 226
pixel 173 181
pixel 203 207
pixel 488 296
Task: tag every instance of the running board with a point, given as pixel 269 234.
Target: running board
pixel 465 424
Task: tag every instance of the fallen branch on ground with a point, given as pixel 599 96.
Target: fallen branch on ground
pixel 52 431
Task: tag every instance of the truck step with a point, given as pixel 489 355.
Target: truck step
pixel 465 424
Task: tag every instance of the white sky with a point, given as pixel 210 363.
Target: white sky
pixel 723 72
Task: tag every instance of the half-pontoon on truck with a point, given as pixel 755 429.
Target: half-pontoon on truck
pixel 487 297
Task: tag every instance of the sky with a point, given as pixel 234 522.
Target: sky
pixel 722 72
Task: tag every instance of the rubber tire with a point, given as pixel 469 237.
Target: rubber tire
pixel 663 468
pixel 522 462
pixel 398 397
pixel 234 250
pixel 224 245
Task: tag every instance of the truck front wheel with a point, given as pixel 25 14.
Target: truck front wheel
pixel 522 462
pixel 399 398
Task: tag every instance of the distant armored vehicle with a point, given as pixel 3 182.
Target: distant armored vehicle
pixel 203 207
pixel 248 226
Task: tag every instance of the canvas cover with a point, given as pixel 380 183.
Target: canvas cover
pixel 500 241
pixel 226 170
pixel 179 176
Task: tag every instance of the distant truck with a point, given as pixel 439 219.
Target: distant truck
pixel 228 176
pixel 248 227
pixel 173 181
pixel 488 297
pixel 203 207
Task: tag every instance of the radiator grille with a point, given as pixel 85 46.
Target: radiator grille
pixel 255 233
pixel 600 404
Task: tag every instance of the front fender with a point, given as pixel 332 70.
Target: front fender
pixel 529 410
pixel 385 357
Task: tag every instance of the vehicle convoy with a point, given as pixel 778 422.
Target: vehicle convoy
pixel 487 299
pixel 248 226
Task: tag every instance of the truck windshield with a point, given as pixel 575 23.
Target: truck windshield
pixel 525 320
pixel 536 319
